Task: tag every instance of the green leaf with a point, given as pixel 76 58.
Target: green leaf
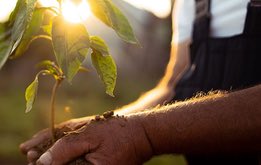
pixel 100 10
pixel 103 63
pixel 5 49
pixel 47 29
pixel 71 43
pixel 46 63
pixel 15 11
pixel 21 18
pixel 11 33
pixel 99 45
pixel 5 43
pixel 106 69
pixel 30 32
pixel 51 67
pixel 30 94
pixel 109 14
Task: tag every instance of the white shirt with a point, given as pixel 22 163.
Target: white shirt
pixel 227 18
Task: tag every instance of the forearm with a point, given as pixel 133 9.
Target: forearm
pixel 164 91
pixel 152 98
pixel 222 123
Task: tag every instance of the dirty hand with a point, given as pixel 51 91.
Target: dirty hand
pixel 30 146
pixel 117 140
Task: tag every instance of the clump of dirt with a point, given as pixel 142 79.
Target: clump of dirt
pixel 61 132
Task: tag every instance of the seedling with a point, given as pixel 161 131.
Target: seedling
pixel 71 44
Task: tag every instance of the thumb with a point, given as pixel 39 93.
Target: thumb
pixel 65 150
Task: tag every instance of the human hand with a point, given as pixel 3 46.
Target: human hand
pixel 116 140
pixel 31 146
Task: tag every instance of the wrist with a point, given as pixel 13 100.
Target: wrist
pixel 141 141
pixel 159 130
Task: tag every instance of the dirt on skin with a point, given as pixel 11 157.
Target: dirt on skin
pixel 59 133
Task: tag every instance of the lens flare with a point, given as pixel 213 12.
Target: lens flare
pixel 49 3
pixel 75 13
pixel 7 6
pixel 72 10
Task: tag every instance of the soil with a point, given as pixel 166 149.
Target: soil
pixel 59 133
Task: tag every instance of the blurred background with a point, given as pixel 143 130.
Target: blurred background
pixel 139 70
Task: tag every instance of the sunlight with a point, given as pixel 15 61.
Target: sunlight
pixel 160 8
pixel 72 12
pixel 6 9
pixel 49 3
pixel 75 13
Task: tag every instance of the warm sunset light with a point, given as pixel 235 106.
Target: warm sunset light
pixel 75 13
pixel 49 3
pixel 72 12
pixel 6 9
pixel 161 8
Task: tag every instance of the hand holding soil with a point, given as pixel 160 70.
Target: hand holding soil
pixel 41 141
pixel 113 140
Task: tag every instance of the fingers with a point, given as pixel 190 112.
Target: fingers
pixel 65 150
pixel 45 134
pixel 92 160
pixel 32 156
pixel 96 159
pixel 36 140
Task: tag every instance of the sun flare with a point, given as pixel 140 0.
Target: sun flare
pixel 72 12
pixel 75 13
pixel 6 8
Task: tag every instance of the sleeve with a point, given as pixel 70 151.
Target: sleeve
pixel 182 20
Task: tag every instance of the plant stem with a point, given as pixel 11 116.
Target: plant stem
pixel 52 118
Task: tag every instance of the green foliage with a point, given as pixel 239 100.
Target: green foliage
pixel 104 63
pixel 30 94
pixel 23 17
pixel 99 45
pixel 109 14
pixel 52 69
pixel 47 29
pixel 71 43
pixel 106 68
pixel 5 43
pixel 30 32
pixel 49 68
pixel 14 29
pixel 5 49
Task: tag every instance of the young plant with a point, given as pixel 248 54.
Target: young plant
pixel 71 44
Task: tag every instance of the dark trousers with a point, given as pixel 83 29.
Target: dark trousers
pixel 231 63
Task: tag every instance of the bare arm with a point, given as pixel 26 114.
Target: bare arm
pixel 164 91
pixel 221 123
pixel 179 60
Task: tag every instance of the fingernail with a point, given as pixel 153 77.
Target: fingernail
pixel 45 159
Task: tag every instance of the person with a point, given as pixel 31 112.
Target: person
pixel 215 47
